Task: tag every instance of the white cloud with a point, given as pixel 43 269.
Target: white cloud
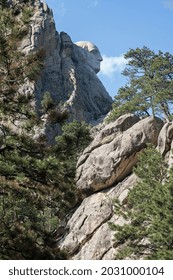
pixel 168 4
pixel 112 64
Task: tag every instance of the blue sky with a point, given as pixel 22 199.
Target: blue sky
pixel 115 26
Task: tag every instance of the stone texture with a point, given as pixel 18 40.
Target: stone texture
pixel 91 54
pixel 111 156
pixel 165 143
pixel 89 234
pixel 165 138
pixel 109 131
pixel 67 74
pixel 169 156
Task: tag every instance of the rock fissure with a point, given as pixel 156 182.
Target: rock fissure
pixel 89 236
pixel 83 222
pixel 106 251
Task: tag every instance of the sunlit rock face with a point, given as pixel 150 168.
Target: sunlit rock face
pixel 69 71
pixel 91 54
pixel 114 152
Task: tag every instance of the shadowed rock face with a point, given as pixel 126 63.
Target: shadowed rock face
pixel 69 72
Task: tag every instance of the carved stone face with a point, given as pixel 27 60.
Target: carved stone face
pixel 92 53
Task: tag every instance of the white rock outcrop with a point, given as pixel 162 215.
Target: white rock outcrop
pixel 91 54
pixel 90 236
pixel 114 152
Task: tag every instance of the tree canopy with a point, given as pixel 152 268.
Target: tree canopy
pixel 149 89
pixel 37 186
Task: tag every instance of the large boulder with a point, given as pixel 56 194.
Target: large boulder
pixel 114 152
pixel 89 235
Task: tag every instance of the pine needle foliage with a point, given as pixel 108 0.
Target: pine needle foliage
pixel 149 87
pixel 148 231
pixel 37 186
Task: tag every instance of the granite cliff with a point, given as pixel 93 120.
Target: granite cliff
pixel 67 74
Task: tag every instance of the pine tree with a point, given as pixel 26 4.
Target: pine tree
pixel 150 85
pixel 37 186
pixel 149 212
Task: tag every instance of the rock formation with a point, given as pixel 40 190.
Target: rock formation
pixel 91 55
pixel 165 143
pixel 90 236
pixel 114 152
pixel 68 69
pixel 104 173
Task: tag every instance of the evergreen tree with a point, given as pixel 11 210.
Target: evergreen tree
pixel 149 87
pixel 149 212
pixel 55 112
pixel 36 180
pixel 74 139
